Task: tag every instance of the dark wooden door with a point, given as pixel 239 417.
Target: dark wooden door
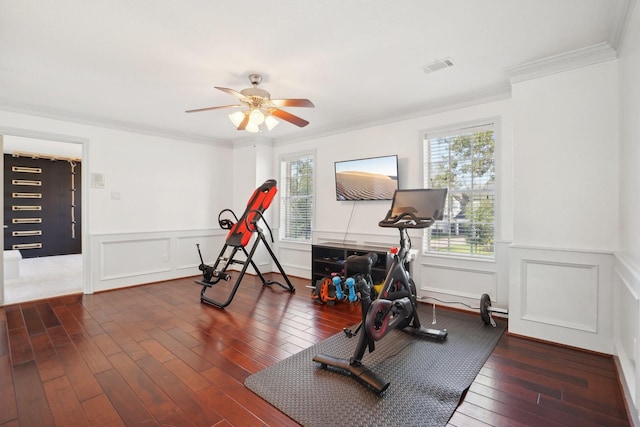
pixel 42 209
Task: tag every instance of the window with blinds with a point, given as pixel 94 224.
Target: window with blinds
pixel 463 161
pixel 296 197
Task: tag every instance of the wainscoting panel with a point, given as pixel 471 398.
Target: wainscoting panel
pixel 187 251
pixel 128 259
pixel 295 259
pixel 138 257
pixel 458 281
pixel 626 328
pixel 562 295
pixel 570 285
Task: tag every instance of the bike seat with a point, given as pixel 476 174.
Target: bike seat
pixel 361 263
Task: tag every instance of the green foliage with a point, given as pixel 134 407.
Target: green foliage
pixel 298 207
pixel 465 165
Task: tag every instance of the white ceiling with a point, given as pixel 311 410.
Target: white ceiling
pixel 140 64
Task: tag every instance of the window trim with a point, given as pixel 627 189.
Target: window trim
pixel 496 122
pixel 287 158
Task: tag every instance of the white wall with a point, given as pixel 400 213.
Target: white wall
pixel 627 268
pixel 18 144
pixel 161 196
pixel 565 162
pixel 357 222
pixel 565 167
pixel 252 166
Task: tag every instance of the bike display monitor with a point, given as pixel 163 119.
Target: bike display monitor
pixel 425 204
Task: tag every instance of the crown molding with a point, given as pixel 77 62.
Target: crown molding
pixel 55 114
pixel 577 58
pixel 469 99
pixel 621 17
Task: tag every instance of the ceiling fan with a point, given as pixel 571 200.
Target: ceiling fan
pixel 261 109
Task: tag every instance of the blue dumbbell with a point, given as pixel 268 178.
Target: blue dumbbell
pixel 337 282
pixel 352 289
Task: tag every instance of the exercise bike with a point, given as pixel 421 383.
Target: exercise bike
pixel 396 305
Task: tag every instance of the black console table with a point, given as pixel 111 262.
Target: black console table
pixel 328 258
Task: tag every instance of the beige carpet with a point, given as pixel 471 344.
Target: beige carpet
pixel 45 277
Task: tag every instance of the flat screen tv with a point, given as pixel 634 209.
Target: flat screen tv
pixel 373 178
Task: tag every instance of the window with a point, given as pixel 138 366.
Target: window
pixel 463 161
pixel 296 198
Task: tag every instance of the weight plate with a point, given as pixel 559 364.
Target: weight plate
pixel 485 314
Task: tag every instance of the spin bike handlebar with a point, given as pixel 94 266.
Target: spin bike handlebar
pixel 405 220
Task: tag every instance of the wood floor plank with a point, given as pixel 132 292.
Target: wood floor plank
pixel 157 350
pixel 91 353
pixel 180 419
pixel 511 411
pixel 461 420
pixel 243 360
pixel 33 321
pixel 568 387
pixel 188 402
pixel 49 365
pixel 190 357
pixel 80 376
pixel 190 377
pixel 155 400
pixel 239 393
pixel 567 410
pixel 20 346
pixel 124 399
pixel 124 340
pixel 8 406
pixel 68 320
pixel 66 409
pixel 485 415
pixel 154 355
pixel 107 345
pixel 4 334
pixel 49 318
pixel 514 402
pixel 100 412
pixel 58 336
pixel 234 413
pixel 33 408
pixel 13 315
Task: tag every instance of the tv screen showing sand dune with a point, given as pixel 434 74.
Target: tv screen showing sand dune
pixel 367 179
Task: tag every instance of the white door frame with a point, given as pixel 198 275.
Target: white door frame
pixel 87 286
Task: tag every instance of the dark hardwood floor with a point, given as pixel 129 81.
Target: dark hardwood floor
pixel 152 355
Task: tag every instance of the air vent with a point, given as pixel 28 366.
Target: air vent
pixel 438 65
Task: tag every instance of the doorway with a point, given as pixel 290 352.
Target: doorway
pixel 31 273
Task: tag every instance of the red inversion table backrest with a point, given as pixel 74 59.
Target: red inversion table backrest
pixel 239 235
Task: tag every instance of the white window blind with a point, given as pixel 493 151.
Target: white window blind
pixel 463 161
pixel 296 197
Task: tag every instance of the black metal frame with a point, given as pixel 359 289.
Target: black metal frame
pixel 230 260
pixel 396 307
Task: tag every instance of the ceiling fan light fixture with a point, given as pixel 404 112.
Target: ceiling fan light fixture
pixel 256 117
pixel 260 109
pixel 252 128
pixel 270 122
pixel 236 118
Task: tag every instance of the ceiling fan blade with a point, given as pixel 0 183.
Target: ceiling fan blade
pixel 281 114
pixel 292 103
pixel 212 108
pixel 232 92
pixel 244 122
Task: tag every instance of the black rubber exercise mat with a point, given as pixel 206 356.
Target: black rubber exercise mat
pixel 427 377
